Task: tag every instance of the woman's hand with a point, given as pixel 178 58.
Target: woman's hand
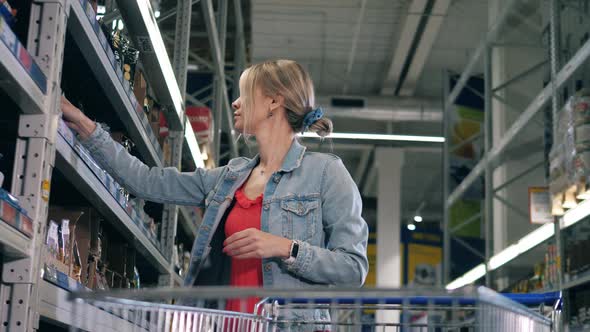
pixel 76 120
pixel 253 243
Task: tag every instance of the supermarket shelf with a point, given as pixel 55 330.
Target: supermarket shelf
pixel 13 243
pixel 185 222
pixel 16 79
pixel 525 117
pixel 141 23
pixel 577 280
pixel 55 306
pixel 77 172
pixel 97 52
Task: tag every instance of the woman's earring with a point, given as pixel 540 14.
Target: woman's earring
pixel 269 114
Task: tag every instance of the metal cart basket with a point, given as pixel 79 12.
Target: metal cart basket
pixel 325 309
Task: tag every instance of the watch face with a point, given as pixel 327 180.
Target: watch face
pixel 295 250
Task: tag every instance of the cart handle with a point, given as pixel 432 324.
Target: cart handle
pixel 550 298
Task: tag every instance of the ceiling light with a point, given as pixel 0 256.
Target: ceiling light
pixel 160 50
pixel 418 219
pixel 157 13
pixel 525 244
pixel 379 137
pixel 411 227
pixel 468 278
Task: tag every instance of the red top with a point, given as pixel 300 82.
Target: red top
pixel 244 272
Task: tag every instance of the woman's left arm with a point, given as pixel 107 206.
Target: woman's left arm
pixel 344 260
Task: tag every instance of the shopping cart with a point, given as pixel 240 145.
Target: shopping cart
pixel 467 309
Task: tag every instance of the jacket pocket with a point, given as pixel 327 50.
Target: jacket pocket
pixel 300 218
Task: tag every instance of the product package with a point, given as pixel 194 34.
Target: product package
pixel 76 263
pixel 52 239
pixel 66 241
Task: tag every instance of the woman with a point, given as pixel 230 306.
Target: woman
pixel 287 218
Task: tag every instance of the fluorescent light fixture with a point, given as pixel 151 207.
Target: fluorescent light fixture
pixel 535 237
pixel 157 13
pixel 160 50
pixel 101 9
pixel 120 25
pixel 525 244
pixel 191 141
pixel 380 137
pixel 503 257
pixel 574 215
pixel 411 227
pixel 418 218
pixel 468 278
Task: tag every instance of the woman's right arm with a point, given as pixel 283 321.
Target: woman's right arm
pixel 158 184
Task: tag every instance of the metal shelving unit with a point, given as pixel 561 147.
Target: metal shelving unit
pixel 55 306
pixel 188 224
pixel 93 44
pixel 548 99
pixel 13 244
pixel 79 174
pixel 16 79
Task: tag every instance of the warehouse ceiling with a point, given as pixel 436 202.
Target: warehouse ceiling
pixel 369 49
pixel 390 53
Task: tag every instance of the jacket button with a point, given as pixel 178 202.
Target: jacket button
pixel 205 228
pixel 267 267
pixel 276 179
pixel 266 206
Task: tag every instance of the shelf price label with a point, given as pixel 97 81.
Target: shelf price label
pixel 45 188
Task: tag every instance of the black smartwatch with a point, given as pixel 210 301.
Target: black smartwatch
pixel 293 253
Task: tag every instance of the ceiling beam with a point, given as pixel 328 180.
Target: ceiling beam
pixel 404 43
pixel 355 38
pixel 427 40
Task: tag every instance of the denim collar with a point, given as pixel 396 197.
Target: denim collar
pixel 292 159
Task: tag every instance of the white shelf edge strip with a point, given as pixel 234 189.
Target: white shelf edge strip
pixel 193 147
pixel 576 214
pixel 379 137
pixel 161 54
pixel 523 245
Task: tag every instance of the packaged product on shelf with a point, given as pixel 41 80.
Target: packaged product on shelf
pixel 136 281
pixel 186 261
pixel 139 86
pixel 76 270
pixel 52 241
pixel 580 104
pixel 8 13
pixel 65 243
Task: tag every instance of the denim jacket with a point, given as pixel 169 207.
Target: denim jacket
pixel 312 198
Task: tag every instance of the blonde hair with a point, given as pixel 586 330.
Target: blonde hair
pixel 290 80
